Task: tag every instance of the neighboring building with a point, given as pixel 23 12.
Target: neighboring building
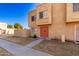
pixel 5 30
pixel 10 31
pixel 3 27
pixel 55 21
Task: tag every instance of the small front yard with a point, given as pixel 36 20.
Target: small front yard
pixel 55 47
pixel 3 52
pixel 19 40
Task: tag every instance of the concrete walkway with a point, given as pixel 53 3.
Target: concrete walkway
pixel 19 50
pixel 32 44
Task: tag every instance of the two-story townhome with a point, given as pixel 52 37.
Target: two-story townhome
pixel 55 20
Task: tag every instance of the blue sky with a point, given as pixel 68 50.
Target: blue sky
pixel 12 13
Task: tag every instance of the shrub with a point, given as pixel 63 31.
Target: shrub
pixel 34 36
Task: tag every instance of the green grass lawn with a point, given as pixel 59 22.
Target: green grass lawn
pixel 55 47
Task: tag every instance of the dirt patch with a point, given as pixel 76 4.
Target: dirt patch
pixel 19 40
pixel 3 52
pixel 55 47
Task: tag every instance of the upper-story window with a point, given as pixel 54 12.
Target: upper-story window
pixel 75 7
pixel 33 18
pixel 43 14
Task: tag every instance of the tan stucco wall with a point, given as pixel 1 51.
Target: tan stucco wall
pixel 71 16
pixel 59 25
pixel 32 23
pixel 44 7
pixel 22 33
pixel 58 21
pixel 70 32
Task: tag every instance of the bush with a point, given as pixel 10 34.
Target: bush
pixel 34 36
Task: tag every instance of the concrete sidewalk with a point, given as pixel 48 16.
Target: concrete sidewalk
pixel 32 44
pixel 19 50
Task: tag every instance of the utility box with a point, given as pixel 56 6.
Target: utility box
pixel 63 38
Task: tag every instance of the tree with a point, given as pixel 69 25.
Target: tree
pixel 9 26
pixel 18 26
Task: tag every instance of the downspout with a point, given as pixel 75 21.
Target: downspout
pixel 75 33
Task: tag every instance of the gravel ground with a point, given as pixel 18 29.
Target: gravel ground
pixel 55 47
pixel 19 40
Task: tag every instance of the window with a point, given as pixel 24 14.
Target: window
pixel 43 14
pixel 33 18
pixel 75 7
pixel 34 30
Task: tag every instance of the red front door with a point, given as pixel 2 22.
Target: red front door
pixel 44 31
